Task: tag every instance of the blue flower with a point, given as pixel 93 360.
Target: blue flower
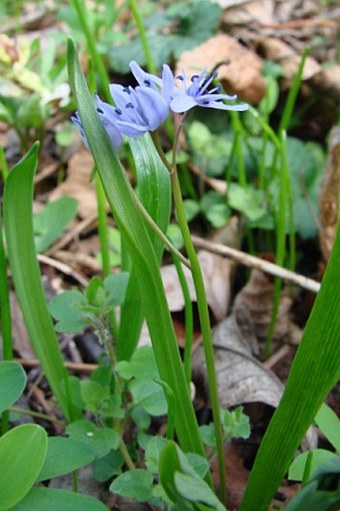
pixel 145 107
pixel 105 112
pixel 199 93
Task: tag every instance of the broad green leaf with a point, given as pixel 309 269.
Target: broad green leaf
pixel 52 220
pixel 100 440
pixel 64 455
pixel 329 423
pixel 18 223
pixel 321 492
pixel 66 310
pixel 182 483
pixel 141 365
pixel 22 453
pixel 247 200
pixel 297 468
pixel 51 499
pixel 116 285
pixel 136 484
pixel 316 368
pixel 12 383
pixel 107 466
pixel 149 395
pixel 152 451
pixel 144 260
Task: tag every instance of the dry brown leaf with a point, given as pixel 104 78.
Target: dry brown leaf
pixel 78 184
pixel 257 298
pixel 261 11
pixel 21 340
pixel 241 378
pixel 328 81
pixel 282 53
pixel 216 273
pixel 241 76
pixel 329 194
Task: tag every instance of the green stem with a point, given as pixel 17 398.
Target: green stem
pixel 3 164
pixel 280 241
pixel 102 227
pixel 189 319
pixel 83 15
pixel 172 249
pixel 203 311
pixel 143 37
pixel 36 415
pixel 125 453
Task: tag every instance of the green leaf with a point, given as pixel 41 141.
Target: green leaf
pixel 191 209
pixel 182 483
pixel 329 423
pixel 51 499
pixel 52 220
pixel 297 468
pixel 31 112
pixel 12 383
pixel 66 310
pixel 107 466
pixel 152 452
pixel 100 440
pixel 149 395
pixel 115 285
pixel 22 454
pixel 136 484
pixel 64 455
pixel 247 200
pixel 321 493
pixel 26 274
pixel 142 365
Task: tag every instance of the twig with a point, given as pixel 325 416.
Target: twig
pixel 70 235
pixel 277 356
pixel 64 268
pixel 258 263
pixel 71 366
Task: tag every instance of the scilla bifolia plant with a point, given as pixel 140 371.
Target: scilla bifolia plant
pixel 137 111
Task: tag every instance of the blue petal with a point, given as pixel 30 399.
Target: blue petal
pixel 182 103
pixel 131 129
pixel 155 108
pixel 144 78
pixel 218 105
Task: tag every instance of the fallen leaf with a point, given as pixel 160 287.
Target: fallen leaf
pixel 257 298
pixel 328 199
pixel 328 81
pixel 282 53
pixel 241 378
pixel 78 184
pixel 242 74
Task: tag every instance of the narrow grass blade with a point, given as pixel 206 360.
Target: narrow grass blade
pixel 133 230
pixel 315 370
pixel 26 274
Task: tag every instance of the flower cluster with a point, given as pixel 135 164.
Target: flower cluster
pixel 144 107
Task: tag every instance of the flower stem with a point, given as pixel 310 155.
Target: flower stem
pixel 83 15
pixel 143 37
pixel 203 311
